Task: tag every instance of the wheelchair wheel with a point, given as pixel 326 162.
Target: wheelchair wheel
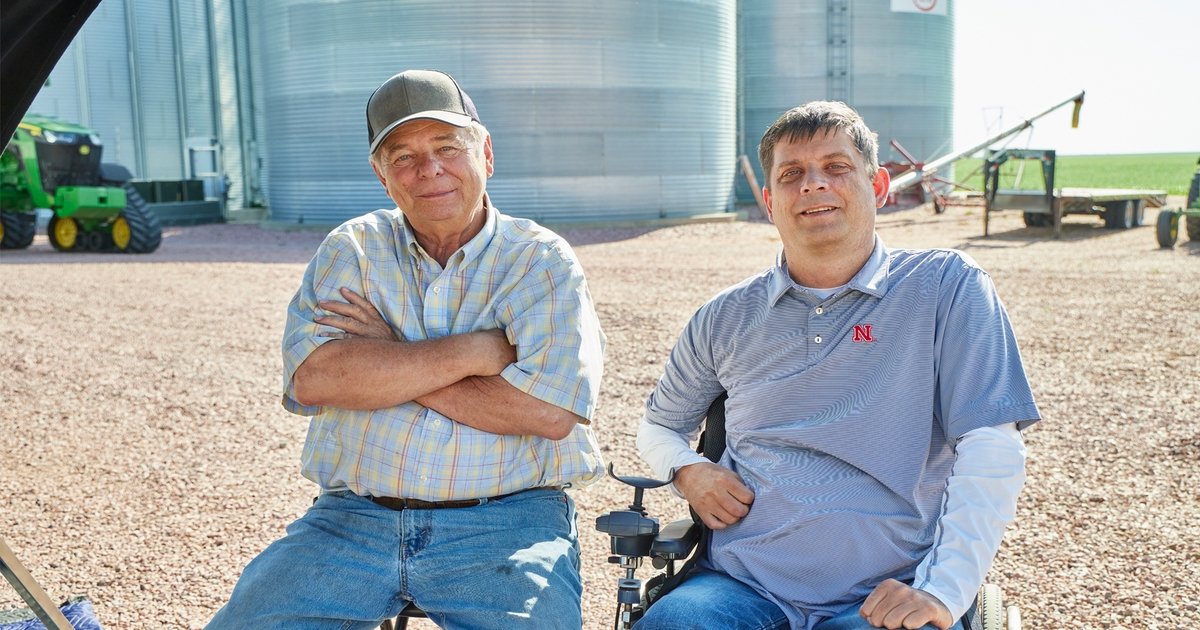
pixel 991 607
pixel 988 612
pixel 1012 618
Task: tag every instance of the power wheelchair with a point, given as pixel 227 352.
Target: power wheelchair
pixel 635 536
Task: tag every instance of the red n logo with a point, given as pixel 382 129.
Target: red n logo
pixel 863 333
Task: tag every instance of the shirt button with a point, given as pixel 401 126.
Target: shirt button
pixel 423 478
pixel 820 310
pixel 437 289
pixel 817 339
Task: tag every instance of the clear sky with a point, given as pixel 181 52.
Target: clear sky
pixel 1138 60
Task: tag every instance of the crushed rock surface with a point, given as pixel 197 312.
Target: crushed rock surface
pixel 145 458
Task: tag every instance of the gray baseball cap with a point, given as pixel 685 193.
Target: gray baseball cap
pixel 413 95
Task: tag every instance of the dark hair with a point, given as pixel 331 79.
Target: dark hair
pixel 803 122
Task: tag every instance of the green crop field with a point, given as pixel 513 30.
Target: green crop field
pixel 1171 172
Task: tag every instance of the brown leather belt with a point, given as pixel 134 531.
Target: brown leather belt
pixel 395 503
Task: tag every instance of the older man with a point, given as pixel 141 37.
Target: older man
pixel 875 400
pixel 449 356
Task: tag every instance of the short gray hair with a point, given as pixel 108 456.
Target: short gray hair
pixel 475 131
pixel 803 122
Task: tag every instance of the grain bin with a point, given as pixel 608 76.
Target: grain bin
pixel 892 60
pixel 600 110
pixel 142 74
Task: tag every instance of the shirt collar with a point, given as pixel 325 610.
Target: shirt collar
pixel 870 279
pixel 467 252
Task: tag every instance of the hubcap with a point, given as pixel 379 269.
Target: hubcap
pixel 120 233
pixel 65 232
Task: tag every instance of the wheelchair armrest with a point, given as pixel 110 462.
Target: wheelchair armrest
pixel 676 541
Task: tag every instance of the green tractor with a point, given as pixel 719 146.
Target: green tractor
pixel 1168 220
pixel 56 165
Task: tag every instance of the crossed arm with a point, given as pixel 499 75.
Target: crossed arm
pixel 368 367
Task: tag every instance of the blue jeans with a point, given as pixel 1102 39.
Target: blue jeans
pixel 349 563
pixel 709 600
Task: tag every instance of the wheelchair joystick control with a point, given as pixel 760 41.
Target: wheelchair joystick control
pixel 632 534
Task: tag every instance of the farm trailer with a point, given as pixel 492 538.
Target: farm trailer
pixel 1121 209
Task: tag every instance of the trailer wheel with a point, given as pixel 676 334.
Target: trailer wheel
pixel 1118 215
pixel 1168 228
pixel 1139 211
pixel 1037 219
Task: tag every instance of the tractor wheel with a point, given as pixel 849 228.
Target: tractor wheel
pixel 17 229
pixel 1193 223
pixel 92 241
pixel 1168 228
pixel 141 233
pixel 120 234
pixel 63 233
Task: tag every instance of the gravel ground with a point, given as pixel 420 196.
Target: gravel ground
pixel 146 458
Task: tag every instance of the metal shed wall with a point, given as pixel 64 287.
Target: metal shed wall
pixel 599 110
pixel 155 77
pixel 157 89
pixel 91 85
pixel 895 68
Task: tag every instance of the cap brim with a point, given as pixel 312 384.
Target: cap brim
pixel 450 118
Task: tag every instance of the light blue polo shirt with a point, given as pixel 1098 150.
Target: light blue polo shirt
pixel 842 416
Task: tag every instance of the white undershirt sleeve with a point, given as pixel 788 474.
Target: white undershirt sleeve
pixel 666 450
pixel 980 500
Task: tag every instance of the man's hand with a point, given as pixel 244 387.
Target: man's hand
pixel 895 605
pixel 357 317
pixel 715 492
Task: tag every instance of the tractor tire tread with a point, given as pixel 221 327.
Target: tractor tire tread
pixel 145 230
pixel 1165 232
pixel 19 229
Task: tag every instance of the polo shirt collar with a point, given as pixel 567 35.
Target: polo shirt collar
pixel 467 252
pixel 871 279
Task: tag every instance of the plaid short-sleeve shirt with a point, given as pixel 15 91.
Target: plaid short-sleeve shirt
pixel 513 275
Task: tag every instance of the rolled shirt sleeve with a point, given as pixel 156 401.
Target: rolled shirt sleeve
pixel 335 265
pixel 552 322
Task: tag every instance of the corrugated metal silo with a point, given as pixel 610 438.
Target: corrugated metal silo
pixel 895 67
pixel 90 85
pixel 168 87
pixel 599 110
